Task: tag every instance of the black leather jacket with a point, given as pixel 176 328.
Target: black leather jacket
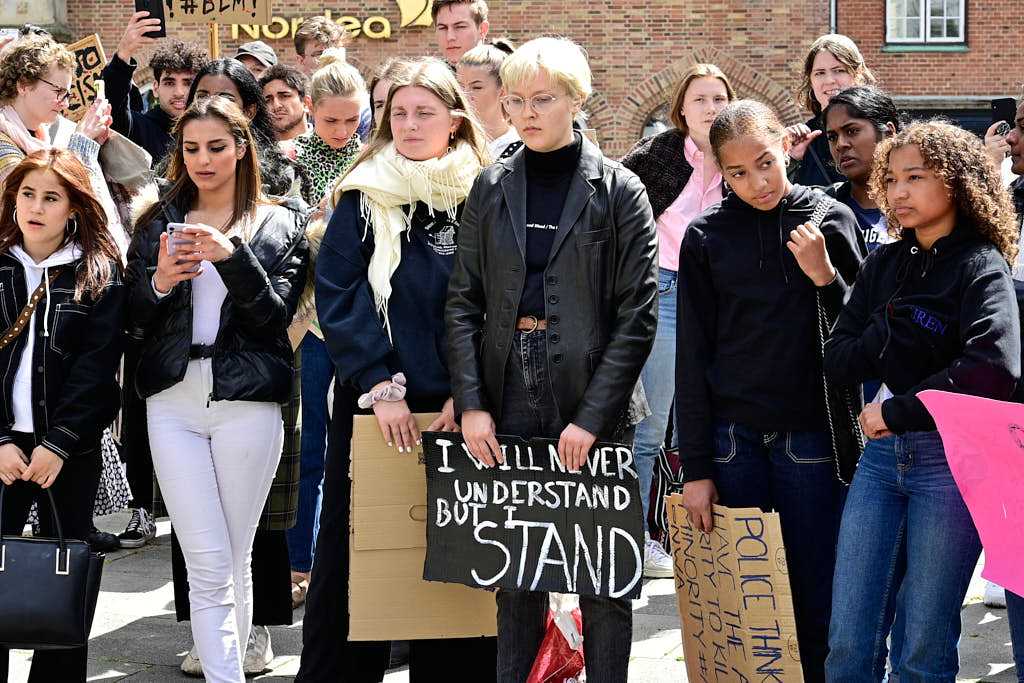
pixel 600 289
pixel 252 358
pixel 75 356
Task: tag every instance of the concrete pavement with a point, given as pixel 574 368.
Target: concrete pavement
pixel 135 636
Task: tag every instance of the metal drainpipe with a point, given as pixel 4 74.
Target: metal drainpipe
pixel 833 23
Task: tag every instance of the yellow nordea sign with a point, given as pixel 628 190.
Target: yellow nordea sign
pixel 413 13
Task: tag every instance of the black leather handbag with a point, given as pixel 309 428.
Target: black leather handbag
pixel 48 589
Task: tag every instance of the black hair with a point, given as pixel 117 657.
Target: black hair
pixel 278 172
pixel 743 117
pixel 177 55
pixel 292 77
pixel 871 104
pixel 504 44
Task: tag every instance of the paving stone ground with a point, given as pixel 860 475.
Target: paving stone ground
pixel 136 638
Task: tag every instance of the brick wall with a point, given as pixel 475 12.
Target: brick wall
pixel 639 47
pixel 991 66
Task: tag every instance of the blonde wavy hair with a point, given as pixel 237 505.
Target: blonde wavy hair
pixel 27 60
pixel 959 159
pixel 335 77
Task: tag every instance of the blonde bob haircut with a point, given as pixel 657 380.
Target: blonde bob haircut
pixel 846 53
pixel 561 59
pixel 693 73
pixel 335 77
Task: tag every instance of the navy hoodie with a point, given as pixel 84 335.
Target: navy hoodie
pixel 747 348
pixel 940 318
pixel 354 331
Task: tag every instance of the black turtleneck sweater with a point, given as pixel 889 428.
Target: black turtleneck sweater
pixel 548 176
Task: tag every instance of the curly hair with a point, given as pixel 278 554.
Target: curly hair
pixel 28 59
pixel 177 55
pixel 959 159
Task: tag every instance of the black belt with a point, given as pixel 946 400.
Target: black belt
pixel 199 351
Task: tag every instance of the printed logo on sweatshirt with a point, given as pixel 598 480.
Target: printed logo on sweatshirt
pixel 927 320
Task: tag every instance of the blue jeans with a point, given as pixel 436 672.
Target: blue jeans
pixel 529 410
pixel 794 474
pixel 316 375
pixel 659 382
pixel 1015 615
pixel 903 500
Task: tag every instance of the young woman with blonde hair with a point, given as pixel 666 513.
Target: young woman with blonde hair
pixel 383 270
pixel 832 64
pixel 555 360
pixel 479 74
pixel 682 179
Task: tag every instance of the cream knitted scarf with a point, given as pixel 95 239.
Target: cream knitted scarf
pixel 388 181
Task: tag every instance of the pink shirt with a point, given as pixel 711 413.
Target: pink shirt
pixel 696 196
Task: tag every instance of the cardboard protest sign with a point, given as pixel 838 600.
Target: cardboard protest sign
pixel 221 11
pixel 89 62
pixel 734 597
pixel 388 598
pixel 984 444
pixel 530 524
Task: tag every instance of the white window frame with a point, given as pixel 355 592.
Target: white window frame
pixel 925 28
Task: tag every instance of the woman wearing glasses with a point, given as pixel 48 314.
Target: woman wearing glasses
pixel 35 77
pixel 552 311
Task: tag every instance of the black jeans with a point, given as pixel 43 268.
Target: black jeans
pixel 528 410
pixel 327 654
pixel 74 492
pixel 138 459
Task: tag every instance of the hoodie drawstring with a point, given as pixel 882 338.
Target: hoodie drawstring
pixel 46 310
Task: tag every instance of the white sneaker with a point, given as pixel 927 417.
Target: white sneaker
pixel 191 666
pixel 995 596
pixel 258 653
pixel 657 563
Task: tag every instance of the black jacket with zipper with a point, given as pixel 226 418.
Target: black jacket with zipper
pixel 600 290
pixel 75 394
pixel 748 349
pixel 941 318
pixel 252 358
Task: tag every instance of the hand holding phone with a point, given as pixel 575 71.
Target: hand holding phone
pixel 177 240
pixel 156 11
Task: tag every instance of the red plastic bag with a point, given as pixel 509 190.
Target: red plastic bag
pixel 557 661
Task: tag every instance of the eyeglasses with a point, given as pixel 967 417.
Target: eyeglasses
pixel 539 103
pixel 63 94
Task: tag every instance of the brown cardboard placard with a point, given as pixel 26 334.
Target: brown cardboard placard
pixel 220 11
pixel 388 598
pixel 89 62
pixel 734 596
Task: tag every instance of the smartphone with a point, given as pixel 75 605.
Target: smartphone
pixel 173 240
pixel 1004 109
pixel 156 11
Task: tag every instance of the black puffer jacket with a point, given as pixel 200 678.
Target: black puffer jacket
pixel 265 277
pixel 600 289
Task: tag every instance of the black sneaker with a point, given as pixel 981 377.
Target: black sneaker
pixel 141 530
pixel 102 542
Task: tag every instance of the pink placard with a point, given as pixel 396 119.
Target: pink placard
pixel 984 443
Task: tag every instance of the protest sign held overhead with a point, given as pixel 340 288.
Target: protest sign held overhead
pixel 984 444
pixel 734 596
pixel 530 524
pixel 89 62
pixel 221 11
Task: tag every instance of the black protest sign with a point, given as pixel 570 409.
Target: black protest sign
pixel 222 11
pixel 89 63
pixel 530 524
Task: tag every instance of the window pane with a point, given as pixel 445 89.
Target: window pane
pixel 913 28
pixel 953 28
pixel 952 8
pixel 914 9
pixel 935 9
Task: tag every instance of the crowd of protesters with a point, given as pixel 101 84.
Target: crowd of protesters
pixel 218 283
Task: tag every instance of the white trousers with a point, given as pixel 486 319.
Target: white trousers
pixel 215 462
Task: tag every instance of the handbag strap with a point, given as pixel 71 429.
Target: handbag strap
pixel 821 209
pixel 26 313
pixel 53 508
